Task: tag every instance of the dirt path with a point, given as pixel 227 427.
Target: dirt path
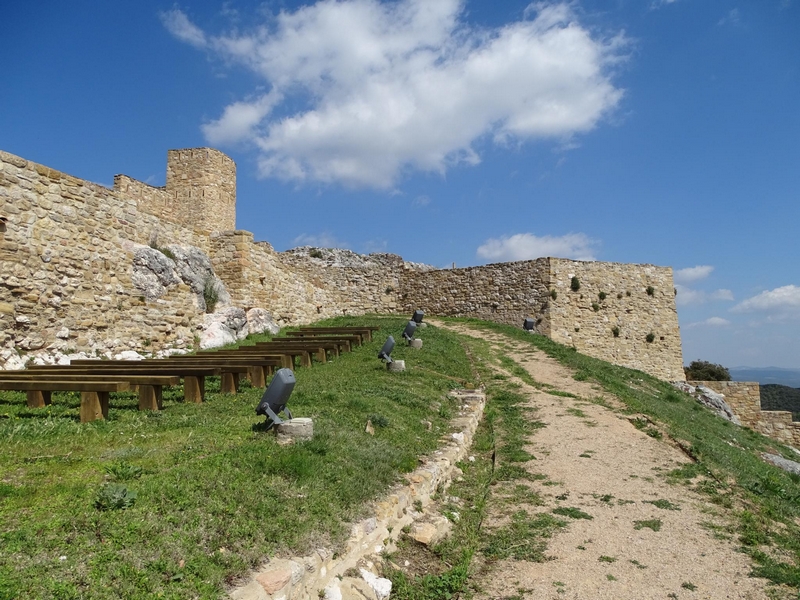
pixel 645 539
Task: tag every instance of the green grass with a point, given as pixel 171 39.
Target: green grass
pixel 181 502
pixel 572 512
pixel 663 504
pixel 654 524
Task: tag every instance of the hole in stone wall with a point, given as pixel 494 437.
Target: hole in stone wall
pixel 3 221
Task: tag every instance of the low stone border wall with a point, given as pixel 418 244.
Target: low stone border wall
pixel 323 573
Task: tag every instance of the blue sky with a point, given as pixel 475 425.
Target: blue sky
pixel 655 131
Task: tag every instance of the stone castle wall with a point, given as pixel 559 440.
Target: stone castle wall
pixel 66 273
pixel 65 267
pixel 541 289
pixel 744 398
pixel 503 292
pixel 611 315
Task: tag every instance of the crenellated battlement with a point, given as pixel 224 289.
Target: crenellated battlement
pixel 200 192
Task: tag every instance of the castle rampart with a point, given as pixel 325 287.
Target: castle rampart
pixel 66 268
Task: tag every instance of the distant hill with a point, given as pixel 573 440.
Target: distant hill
pixel 767 375
pixel 780 397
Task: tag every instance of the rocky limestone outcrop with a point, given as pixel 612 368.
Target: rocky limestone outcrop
pixel 787 465
pixel 232 324
pixel 261 321
pixel 154 272
pixel 710 399
pixel 341 257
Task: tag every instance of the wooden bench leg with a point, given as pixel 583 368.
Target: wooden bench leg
pixel 151 397
pixel 322 355
pixel 287 362
pixel 194 389
pixel 38 399
pixel 229 383
pixel 256 375
pixel 305 359
pixel 94 405
pixel 268 370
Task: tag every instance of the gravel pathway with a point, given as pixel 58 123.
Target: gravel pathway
pixel 645 539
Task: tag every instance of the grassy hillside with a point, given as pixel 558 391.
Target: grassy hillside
pixel 214 495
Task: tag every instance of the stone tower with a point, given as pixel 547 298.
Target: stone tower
pixel 202 185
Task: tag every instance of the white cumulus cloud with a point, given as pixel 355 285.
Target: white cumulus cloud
pixel 365 91
pixel 688 296
pixel 179 25
pixel 784 299
pixel 711 322
pixel 526 246
pixel 320 240
pixel 239 120
pixel 692 274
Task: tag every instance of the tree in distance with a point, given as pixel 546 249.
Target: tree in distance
pixel 702 370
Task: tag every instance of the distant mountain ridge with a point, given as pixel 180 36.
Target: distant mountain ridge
pixel 767 375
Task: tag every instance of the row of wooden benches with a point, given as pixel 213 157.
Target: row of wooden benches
pixel 95 379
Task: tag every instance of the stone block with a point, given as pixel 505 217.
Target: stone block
pixel 396 366
pixel 273 580
pixel 295 430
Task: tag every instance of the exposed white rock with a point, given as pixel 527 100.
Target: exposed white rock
pixel 381 585
pixel 128 355
pixel 709 398
pixel 224 327
pixel 260 321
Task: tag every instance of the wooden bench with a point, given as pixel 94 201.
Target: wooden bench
pixel 150 388
pixel 365 332
pixel 194 389
pixel 94 394
pixel 344 341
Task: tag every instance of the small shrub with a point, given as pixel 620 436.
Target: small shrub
pixel 602 296
pixel 315 253
pixel 701 370
pixel 575 284
pixel 650 337
pixel 615 331
pixel 210 294
pixel 114 496
pixel 595 307
pixel 124 471
pixel 379 421
pixel 650 290
pixel 607 559
pixel 619 296
pixel 553 294
pixel 628 294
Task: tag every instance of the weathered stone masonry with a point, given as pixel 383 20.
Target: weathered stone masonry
pixel 744 398
pixel 66 250
pixel 610 316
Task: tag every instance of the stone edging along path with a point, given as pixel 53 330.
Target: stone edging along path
pixel 323 573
